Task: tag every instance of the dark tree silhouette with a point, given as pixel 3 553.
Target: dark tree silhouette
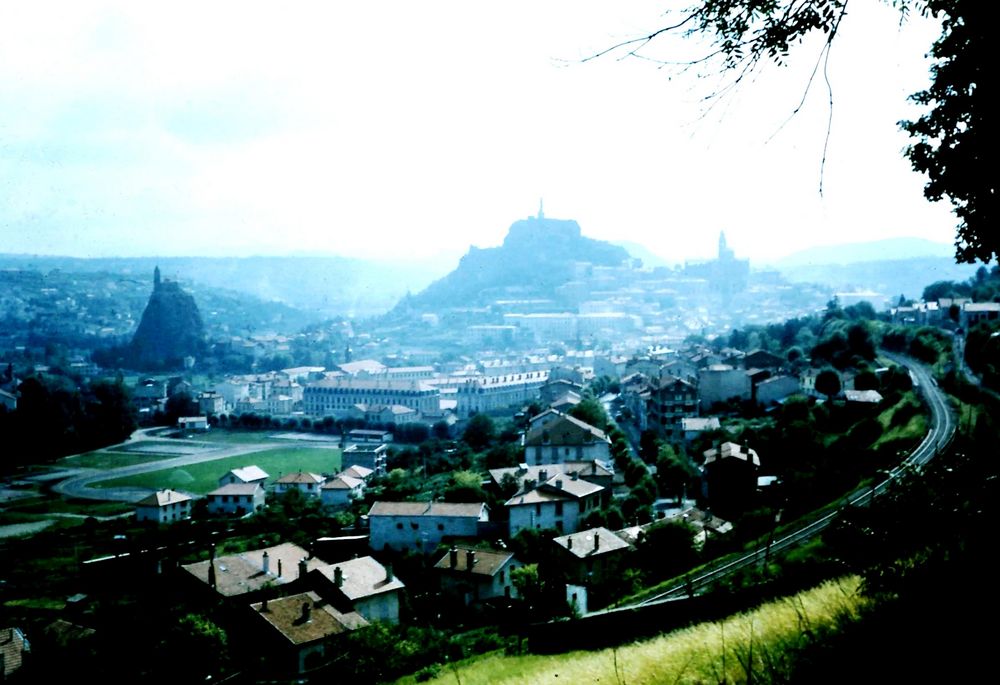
pixel 828 382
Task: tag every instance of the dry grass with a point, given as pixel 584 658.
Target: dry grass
pixel 757 642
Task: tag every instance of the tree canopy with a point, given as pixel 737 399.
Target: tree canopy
pixel 950 140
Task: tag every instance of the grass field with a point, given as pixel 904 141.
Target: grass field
pixel 750 646
pixel 204 477
pixel 226 437
pixel 110 460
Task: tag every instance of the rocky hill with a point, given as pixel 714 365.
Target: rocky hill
pixel 171 328
pixel 538 255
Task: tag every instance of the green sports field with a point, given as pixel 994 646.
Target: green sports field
pixel 204 477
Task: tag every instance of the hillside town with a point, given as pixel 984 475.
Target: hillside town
pixel 543 452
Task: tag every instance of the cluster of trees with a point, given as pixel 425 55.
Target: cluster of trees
pixel 55 417
pixel 183 405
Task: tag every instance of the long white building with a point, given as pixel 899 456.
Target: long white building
pixel 489 393
pixel 337 396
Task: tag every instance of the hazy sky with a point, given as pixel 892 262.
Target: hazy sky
pixel 410 128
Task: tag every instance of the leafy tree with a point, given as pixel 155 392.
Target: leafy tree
pixel 179 404
pixel 666 549
pixel 674 472
pixel 199 644
pixel 862 310
pixel 590 411
pixel 465 486
pixel 828 382
pixel 480 432
pixel 441 430
pixel 952 135
pixel 528 583
pixel 866 380
pixel 503 456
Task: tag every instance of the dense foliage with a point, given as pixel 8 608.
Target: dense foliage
pixel 54 418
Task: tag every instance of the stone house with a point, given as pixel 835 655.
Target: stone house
pixel 421 526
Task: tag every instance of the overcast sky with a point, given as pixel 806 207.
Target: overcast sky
pixel 410 128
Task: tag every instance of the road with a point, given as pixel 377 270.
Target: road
pixel 941 431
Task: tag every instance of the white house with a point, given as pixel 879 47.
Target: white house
pixel 163 506
pixel 362 585
pixel 341 490
pixel 559 503
pixel 245 474
pixel 558 438
pixel 420 526
pixel 476 575
pixel 236 498
pixel 306 483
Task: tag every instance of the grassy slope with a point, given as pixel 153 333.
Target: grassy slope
pixel 204 477
pixel 708 652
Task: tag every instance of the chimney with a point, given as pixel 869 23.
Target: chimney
pixel 453 557
pixel 306 612
pixel 388 573
pixel 575 475
pixel 302 567
pixel 338 577
pixel 470 560
pixel 597 541
pixel 569 542
pixel 279 568
pixel 211 574
pixel 267 563
pixel 263 606
pixel 543 476
pixel 559 483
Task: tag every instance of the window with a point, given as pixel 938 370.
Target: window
pixel 399 526
pixel 538 509
pixel 440 526
pixel 414 525
pixel 559 508
pixel 502 576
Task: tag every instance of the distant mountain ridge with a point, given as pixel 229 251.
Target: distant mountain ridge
pixel 874 251
pixel 889 267
pixel 329 285
pixel 537 256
